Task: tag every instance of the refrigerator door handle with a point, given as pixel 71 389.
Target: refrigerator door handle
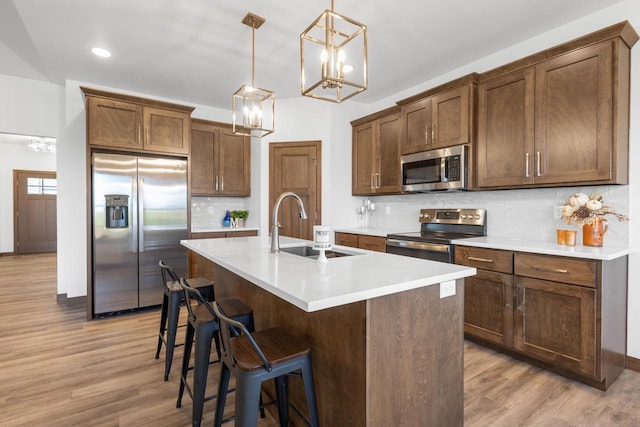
pixel 140 215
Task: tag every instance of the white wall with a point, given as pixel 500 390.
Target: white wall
pixel 16 155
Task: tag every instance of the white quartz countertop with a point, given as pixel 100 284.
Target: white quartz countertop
pixel 312 285
pixel 604 253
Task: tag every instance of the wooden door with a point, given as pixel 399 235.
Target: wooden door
pixel 166 131
pixel 387 136
pixel 35 214
pixel 114 123
pixel 296 167
pixel 451 117
pixel 555 322
pixel 416 126
pixel 363 153
pixel 203 138
pixel 574 123
pixel 234 163
pixel 506 130
pixel 488 307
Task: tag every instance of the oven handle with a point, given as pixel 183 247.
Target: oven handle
pixel 433 247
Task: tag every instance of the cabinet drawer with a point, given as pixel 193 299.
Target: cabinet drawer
pixel 347 239
pixel 558 269
pixel 373 243
pixel 485 259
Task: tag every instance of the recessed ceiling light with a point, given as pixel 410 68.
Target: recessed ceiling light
pixel 102 53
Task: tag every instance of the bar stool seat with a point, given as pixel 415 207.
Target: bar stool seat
pixel 172 299
pixel 203 327
pixel 256 357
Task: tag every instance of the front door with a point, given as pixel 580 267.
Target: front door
pixel 296 167
pixel 35 211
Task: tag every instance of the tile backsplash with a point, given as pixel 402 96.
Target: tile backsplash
pixel 523 214
pixel 208 212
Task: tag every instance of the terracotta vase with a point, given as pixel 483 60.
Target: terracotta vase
pixel 593 235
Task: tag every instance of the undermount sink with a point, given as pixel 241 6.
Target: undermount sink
pixel 309 252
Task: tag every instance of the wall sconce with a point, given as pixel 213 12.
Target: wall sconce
pixel 333 57
pixel 253 108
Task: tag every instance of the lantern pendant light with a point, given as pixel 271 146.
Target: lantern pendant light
pixel 253 107
pixel 333 57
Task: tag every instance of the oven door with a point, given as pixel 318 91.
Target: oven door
pixel 430 251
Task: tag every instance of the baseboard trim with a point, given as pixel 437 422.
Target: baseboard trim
pixel 633 364
pixel 63 299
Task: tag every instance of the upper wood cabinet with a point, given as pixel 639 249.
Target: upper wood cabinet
pixel 220 160
pixel 376 153
pixel 440 117
pixel 560 117
pixel 127 122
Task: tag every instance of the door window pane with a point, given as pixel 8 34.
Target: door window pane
pixel 42 186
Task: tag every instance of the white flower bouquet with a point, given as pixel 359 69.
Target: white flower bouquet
pixel 583 209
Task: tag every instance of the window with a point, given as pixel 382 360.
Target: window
pixel 47 186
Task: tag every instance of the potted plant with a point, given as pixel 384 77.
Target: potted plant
pixel 239 217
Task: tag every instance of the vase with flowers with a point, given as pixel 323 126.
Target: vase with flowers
pixel 588 212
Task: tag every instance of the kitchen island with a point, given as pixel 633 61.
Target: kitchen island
pixel 386 331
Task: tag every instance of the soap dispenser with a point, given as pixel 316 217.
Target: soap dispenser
pixel 226 222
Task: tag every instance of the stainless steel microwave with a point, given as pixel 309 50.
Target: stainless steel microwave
pixel 442 169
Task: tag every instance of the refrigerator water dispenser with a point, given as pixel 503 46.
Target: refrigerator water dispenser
pixel 117 210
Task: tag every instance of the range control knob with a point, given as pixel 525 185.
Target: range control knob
pixel 463 216
pixel 476 216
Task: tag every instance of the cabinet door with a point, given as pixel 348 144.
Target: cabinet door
pixel 388 154
pixel 416 126
pixel 451 118
pixel 363 159
pixel 234 164
pixel 555 322
pixel 166 131
pixel 114 123
pixel 506 130
pixel 574 113
pixel 372 243
pixel 346 239
pixel 488 307
pixel 203 138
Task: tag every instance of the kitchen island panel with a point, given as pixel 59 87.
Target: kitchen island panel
pixel 392 360
pixel 338 341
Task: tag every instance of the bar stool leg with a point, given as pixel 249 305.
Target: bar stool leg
pixel 172 331
pixel 223 387
pixel 163 324
pixel 282 396
pixel 186 356
pixel 200 372
pixel 307 378
pixel 247 398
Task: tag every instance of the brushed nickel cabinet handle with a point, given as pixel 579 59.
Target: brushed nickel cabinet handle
pixel 538 164
pixel 433 134
pixel 138 140
pixel 216 182
pixel 221 182
pixel 426 135
pixel 472 258
pixel 526 165
pixel 372 181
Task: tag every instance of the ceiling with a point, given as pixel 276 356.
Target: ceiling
pixel 198 51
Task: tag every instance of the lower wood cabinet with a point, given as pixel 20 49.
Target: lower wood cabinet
pixel 362 241
pixel 202 267
pixel 567 313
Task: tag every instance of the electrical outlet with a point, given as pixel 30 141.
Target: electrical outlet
pixel 557 213
pixel 447 289
pixel 387 210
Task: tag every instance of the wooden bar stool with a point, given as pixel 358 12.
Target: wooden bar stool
pixel 257 357
pixel 203 327
pixel 171 301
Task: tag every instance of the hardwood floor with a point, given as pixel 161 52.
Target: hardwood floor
pixel 57 369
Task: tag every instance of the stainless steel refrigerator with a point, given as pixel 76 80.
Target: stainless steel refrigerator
pixel 139 217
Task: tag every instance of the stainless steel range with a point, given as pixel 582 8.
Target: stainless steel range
pixel 438 227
